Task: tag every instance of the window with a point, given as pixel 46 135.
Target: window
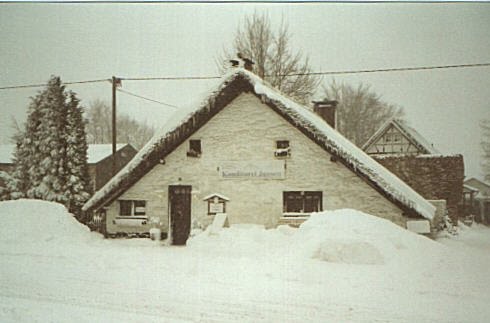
pixel 130 208
pixel 282 148
pixel 388 137
pixel 302 201
pixel 194 148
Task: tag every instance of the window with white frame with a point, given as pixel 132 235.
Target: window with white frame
pixel 302 202
pixel 282 149
pixel 132 207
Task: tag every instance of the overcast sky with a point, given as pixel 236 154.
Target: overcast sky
pixel 96 41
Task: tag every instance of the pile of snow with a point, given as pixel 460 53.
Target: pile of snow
pixel 353 237
pixel 40 222
pixel 341 236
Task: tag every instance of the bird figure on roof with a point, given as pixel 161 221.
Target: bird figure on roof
pixel 247 62
pixel 234 62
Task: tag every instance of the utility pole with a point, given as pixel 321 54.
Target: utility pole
pixel 116 82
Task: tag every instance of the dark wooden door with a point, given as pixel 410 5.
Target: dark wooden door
pixel 180 212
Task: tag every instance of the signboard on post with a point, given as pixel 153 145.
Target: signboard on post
pixel 274 169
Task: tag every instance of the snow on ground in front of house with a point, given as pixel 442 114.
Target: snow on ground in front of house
pixel 340 266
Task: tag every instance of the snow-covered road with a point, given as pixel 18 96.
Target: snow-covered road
pixel 243 274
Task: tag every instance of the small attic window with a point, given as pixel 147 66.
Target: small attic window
pixel 194 148
pixel 282 149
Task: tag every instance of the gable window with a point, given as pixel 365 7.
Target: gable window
pixel 302 202
pixel 194 148
pixel 132 207
pixel 282 148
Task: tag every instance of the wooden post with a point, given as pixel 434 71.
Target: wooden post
pixel 114 133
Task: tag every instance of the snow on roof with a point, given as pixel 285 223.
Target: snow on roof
pixel 6 154
pixel 482 187
pixel 470 188
pixel 417 137
pixel 95 152
pixel 302 117
pixel 216 194
pixel 406 130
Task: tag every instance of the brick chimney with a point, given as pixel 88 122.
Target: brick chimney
pixel 327 110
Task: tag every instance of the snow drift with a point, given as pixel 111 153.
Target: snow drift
pixel 39 222
pixel 339 266
pixel 341 236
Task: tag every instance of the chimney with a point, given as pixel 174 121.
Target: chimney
pixel 326 110
pixel 247 63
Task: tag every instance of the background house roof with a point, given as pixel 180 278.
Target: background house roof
pixel 482 187
pixel 95 152
pixel 410 133
pixel 303 118
pixel 6 154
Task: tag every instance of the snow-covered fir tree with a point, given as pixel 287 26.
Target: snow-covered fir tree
pixel 51 155
pixel 77 182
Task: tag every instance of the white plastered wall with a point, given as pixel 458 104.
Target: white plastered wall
pixel 247 130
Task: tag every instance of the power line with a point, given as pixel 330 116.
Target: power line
pixel 176 78
pixel 399 69
pixel 147 99
pixel 392 69
pixel 45 84
pixel 170 78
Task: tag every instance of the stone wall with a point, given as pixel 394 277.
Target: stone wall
pixel 433 177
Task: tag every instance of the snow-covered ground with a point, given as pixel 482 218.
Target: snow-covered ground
pixel 341 266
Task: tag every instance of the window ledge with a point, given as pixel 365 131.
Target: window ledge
pixel 295 215
pixel 132 217
pixel 130 221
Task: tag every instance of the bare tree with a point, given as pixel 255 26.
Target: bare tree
pixel 360 111
pixel 485 145
pixel 99 127
pixel 273 57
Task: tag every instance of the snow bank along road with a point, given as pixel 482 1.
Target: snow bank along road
pixel 341 266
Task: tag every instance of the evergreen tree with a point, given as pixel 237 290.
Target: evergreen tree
pixel 77 181
pixel 51 155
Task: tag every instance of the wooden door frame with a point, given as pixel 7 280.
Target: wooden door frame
pixel 170 220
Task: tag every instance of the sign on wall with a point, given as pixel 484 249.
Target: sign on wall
pixel 273 169
pixel 216 208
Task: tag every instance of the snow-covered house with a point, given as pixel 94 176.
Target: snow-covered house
pixel 408 155
pixel 396 137
pixel 479 200
pixel 99 159
pixel 250 152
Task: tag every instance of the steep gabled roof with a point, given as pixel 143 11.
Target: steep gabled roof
pixel 238 81
pixel 410 133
